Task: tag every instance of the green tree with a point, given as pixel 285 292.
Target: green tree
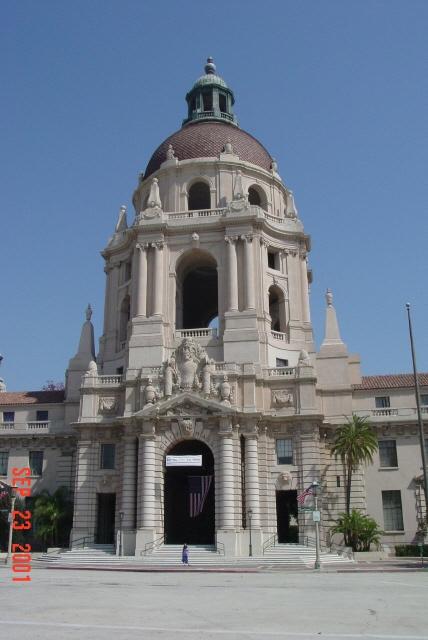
pixel 53 515
pixel 359 530
pixel 355 442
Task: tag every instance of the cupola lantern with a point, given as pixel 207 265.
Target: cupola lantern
pixel 210 98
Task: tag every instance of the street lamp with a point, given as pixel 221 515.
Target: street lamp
pixel 418 408
pixel 250 515
pixel 121 514
pixel 316 517
pixel 12 508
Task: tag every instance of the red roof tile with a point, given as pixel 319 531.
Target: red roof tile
pixel 391 381
pixel 206 140
pixel 31 397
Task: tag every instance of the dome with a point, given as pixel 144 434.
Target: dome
pixel 207 140
pixel 209 78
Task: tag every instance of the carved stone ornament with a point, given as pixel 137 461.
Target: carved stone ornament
pixel 189 368
pixel 304 360
pixel 187 427
pixel 285 477
pixel 225 391
pixel 154 204
pixel 151 396
pixel 107 405
pixel 283 398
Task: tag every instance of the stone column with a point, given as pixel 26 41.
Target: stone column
pixel 252 483
pixel 141 279
pixel 147 469
pixel 232 274
pixel 129 481
pixel 157 278
pixel 249 273
pixel 226 479
pixel 305 289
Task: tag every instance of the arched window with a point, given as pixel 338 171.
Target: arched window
pixel 257 197
pixel 199 196
pixel 125 314
pixel 197 291
pixel 277 309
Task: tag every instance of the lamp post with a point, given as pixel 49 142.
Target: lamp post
pixel 315 515
pixel 250 515
pixel 121 514
pixel 12 508
pixel 418 407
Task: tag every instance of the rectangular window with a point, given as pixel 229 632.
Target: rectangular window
pixel 35 460
pixel 424 399
pixel 4 459
pixel 108 454
pixel 337 481
pixel 392 511
pixel 284 451
pixel 8 416
pixel 388 453
pixel 42 415
pixel 280 362
pixel 382 402
pixel 273 260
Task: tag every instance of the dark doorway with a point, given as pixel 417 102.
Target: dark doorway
pixel 286 514
pixel 180 527
pixel 200 297
pixel 106 506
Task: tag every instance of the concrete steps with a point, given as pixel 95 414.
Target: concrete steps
pixel 292 555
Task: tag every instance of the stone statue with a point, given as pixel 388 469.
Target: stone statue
pixel 207 372
pixel 274 165
pixel 170 155
pixel 225 391
pixel 238 192
pixel 170 376
pixel 92 370
pixel 88 313
pixel 154 196
pixel 183 371
pixel 329 297
pixel 291 211
pixel 150 394
pixel 122 223
pixel 304 360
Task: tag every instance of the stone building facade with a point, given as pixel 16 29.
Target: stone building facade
pixel 208 350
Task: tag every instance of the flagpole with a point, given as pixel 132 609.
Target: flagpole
pixel 418 408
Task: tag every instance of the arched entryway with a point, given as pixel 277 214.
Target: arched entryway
pixel 185 489
pixel 197 290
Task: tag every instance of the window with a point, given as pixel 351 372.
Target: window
pixel 128 271
pixel 35 459
pixel 222 103
pixel 382 402
pixel 119 371
pixel 254 197
pixel 4 459
pixel 199 196
pixel 284 451
pixel 273 260
pixel 337 481
pixel 281 362
pixel 388 453
pixel 424 399
pixel 8 416
pixel 392 511
pixel 108 453
pixel 42 416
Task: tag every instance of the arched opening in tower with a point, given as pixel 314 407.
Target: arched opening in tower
pixel 277 309
pixel 257 197
pixel 197 291
pixel 199 196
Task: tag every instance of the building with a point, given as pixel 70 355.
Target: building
pixel 208 407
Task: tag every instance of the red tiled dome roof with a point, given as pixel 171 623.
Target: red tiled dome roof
pixel 206 140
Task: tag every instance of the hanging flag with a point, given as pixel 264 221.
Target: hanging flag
pixel 5 490
pixel 307 492
pixel 198 491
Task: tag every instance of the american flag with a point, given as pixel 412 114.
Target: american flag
pixel 198 491
pixel 5 490
pixel 307 492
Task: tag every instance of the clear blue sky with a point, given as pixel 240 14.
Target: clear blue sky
pixel 337 91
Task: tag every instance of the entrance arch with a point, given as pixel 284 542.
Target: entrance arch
pixel 180 525
pixel 197 290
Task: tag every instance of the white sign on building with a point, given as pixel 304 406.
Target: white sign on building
pixel 184 461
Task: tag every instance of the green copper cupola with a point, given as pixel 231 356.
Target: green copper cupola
pixel 210 98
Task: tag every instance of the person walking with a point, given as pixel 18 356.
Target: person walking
pixel 185 555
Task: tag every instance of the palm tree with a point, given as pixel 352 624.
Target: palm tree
pixel 53 515
pixel 355 442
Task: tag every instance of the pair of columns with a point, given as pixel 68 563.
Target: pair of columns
pixel 225 482
pixel 144 252
pixel 232 272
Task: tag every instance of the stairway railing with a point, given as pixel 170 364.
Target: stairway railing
pixel 84 540
pixel 269 543
pixel 149 547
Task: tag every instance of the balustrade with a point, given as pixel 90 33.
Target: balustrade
pixel 196 333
